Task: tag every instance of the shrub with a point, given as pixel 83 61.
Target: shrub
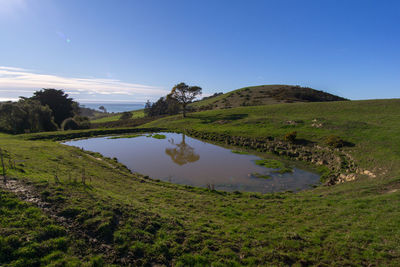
pixel 69 124
pixel 126 115
pixel 83 122
pixel 334 141
pixel 290 137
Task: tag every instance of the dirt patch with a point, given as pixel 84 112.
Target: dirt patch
pixel 29 193
pixel 391 188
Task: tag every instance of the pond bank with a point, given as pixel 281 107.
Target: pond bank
pixel 339 165
pixel 173 158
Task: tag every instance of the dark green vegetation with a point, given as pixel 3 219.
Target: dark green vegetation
pixel 184 95
pixel 25 116
pixel 259 175
pixel 157 136
pixel 46 110
pixel 264 95
pixel 163 106
pixel 181 95
pixel 60 104
pixel 274 164
pixel 125 136
pixel 144 222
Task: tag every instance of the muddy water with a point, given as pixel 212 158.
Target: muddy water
pixel 183 160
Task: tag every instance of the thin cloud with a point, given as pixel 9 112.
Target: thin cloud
pixel 17 81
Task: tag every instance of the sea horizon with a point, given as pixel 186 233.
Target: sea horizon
pixel 114 107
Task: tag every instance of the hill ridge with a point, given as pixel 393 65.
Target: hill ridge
pixel 265 95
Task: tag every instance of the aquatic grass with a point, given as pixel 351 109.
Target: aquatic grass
pixel 274 164
pixel 259 175
pixel 125 136
pixel 270 163
pixel 159 136
pixel 284 170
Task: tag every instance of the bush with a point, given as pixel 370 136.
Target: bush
pixel 69 124
pixel 334 141
pixel 290 137
pixel 75 123
pixel 126 116
pixel 83 122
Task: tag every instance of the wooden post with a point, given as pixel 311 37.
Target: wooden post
pixel 4 167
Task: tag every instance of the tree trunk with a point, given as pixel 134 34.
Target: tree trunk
pixel 184 110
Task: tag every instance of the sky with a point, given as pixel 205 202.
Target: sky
pixel 132 51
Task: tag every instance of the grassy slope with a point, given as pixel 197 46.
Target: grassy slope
pixel 348 224
pixel 251 96
pixel 372 125
pixel 135 114
pixel 235 98
pixel 29 238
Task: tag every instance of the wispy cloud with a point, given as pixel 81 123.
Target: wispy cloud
pixel 16 82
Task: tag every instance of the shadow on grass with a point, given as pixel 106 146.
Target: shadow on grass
pixel 219 117
pixel 303 142
pixel 348 144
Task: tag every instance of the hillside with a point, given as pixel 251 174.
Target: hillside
pixel 264 95
pixel 109 117
pixel 369 124
pixel 121 218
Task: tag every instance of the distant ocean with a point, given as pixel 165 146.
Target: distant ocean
pixel 114 107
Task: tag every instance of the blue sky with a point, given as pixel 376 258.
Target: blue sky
pixel 138 50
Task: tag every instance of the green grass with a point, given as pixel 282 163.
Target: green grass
pixel 262 95
pixel 371 125
pixel 350 224
pixel 29 238
pixel 111 117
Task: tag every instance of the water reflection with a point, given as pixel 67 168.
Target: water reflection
pixel 198 164
pixel 182 153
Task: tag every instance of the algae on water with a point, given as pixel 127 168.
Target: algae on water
pixel 274 164
pixel 159 136
pixel 259 175
pixel 125 136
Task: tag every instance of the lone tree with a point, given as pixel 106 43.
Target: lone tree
pixel 185 94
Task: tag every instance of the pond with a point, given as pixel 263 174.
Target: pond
pixel 180 159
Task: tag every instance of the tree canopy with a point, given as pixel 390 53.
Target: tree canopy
pixel 26 115
pixel 58 101
pixel 45 111
pixel 163 106
pixel 185 94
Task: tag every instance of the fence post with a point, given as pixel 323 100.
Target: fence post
pixel 2 164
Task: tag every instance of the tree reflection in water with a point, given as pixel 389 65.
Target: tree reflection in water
pixel 182 153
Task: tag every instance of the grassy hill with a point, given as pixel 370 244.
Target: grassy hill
pixel 114 117
pixel 265 95
pixel 121 218
pixel 371 125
